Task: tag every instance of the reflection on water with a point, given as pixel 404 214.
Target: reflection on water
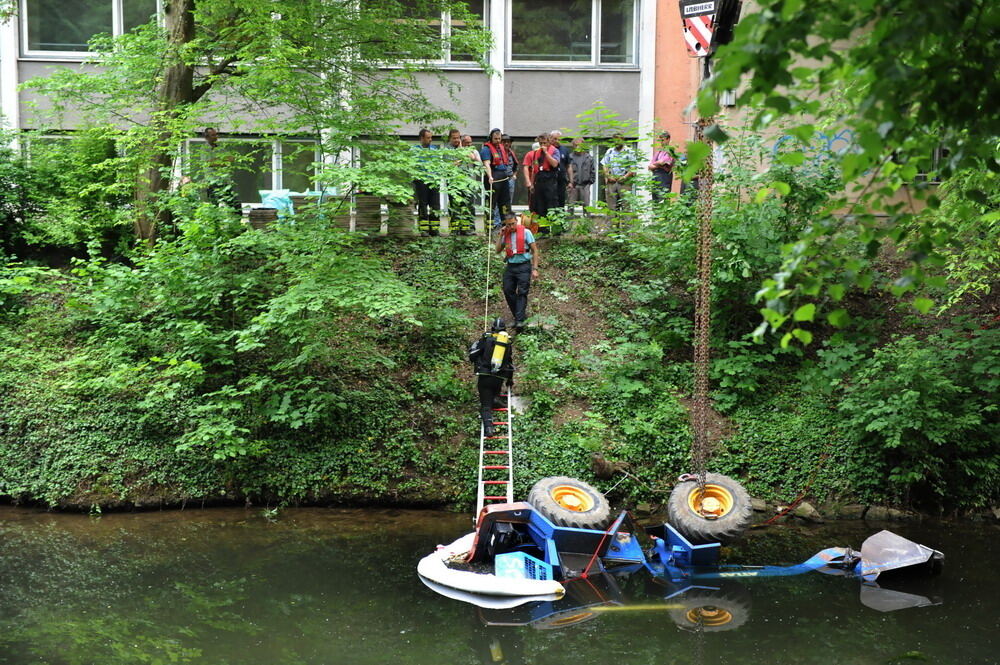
pixel 335 586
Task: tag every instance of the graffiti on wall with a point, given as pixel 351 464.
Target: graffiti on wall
pixel 822 144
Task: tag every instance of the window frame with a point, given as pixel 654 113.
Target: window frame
pixel 276 157
pixel 596 7
pixel 117 29
pixel 445 26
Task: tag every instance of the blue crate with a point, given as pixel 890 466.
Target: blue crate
pixel 521 566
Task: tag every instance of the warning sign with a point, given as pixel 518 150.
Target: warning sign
pixel 698 17
pixel 708 23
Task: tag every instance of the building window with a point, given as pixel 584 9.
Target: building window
pixel 584 32
pixel 261 164
pixel 478 20
pixel 50 28
pixel 553 31
pixel 617 32
pixel 138 12
pixel 435 29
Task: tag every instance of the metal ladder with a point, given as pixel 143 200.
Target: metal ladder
pixel 496 456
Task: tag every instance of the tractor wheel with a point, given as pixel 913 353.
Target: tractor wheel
pixel 570 617
pixel 705 610
pixel 570 502
pixel 721 515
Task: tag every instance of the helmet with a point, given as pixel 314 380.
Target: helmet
pixel 498 325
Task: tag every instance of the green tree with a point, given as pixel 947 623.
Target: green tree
pixel 914 102
pixel 336 70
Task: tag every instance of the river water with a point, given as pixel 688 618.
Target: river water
pixel 312 586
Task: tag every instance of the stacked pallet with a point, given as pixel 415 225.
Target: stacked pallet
pixel 400 220
pixel 367 214
pixel 260 218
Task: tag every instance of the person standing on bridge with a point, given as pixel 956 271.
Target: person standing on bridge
pixel 492 361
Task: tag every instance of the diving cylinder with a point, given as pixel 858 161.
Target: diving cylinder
pixel 500 344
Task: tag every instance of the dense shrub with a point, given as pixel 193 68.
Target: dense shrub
pixel 928 409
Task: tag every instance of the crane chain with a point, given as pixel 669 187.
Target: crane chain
pixel 700 449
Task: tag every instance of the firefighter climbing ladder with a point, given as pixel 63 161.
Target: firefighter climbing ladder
pixel 496 459
pixel 496 453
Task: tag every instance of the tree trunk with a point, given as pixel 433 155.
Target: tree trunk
pixel 175 92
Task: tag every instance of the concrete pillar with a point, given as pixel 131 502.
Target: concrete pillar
pixel 10 41
pixel 498 56
pixel 647 73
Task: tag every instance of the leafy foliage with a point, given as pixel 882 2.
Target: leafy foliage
pixel 893 78
pixel 928 406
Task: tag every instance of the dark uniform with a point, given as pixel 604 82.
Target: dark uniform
pixel 492 362
pixel 562 179
pixel 546 186
pixel 499 161
pixel 427 194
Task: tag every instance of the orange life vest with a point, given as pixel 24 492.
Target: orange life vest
pixel 499 158
pixel 542 164
pixel 519 246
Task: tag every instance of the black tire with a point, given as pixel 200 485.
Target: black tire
pixel 732 518
pixel 554 497
pixel 706 610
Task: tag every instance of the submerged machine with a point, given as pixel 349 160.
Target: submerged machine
pixel 544 553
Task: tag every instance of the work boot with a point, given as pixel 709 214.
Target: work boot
pixel 487 416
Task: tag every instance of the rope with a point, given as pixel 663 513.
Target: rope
pixel 487 231
pixel 487 224
pixel 586 571
pixel 794 504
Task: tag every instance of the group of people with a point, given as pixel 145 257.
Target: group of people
pixel 556 174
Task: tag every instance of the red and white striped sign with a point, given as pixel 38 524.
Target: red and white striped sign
pixel 699 19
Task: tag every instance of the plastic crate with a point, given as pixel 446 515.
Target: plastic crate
pixel 521 566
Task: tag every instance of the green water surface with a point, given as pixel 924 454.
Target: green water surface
pixel 312 586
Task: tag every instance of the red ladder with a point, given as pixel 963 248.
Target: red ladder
pixel 496 459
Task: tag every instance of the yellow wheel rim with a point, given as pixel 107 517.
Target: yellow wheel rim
pixel 709 616
pixel 572 498
pixel 562 622
pixel 714 503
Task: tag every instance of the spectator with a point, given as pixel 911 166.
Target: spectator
pixel 528 171
pixel 467 143
pixel 461 195
pixel 618 167
pixel 496 155
pixel 544 170
pixel 662 167
pixel 425 188
pixel 581 174
pixel 562 176
pixel 507 141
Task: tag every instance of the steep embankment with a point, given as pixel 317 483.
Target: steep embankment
pixel 279 369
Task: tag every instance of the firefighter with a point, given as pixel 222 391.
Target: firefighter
pixel 522 266
pixel 545 179
pixel 498 157
pixel 491 359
